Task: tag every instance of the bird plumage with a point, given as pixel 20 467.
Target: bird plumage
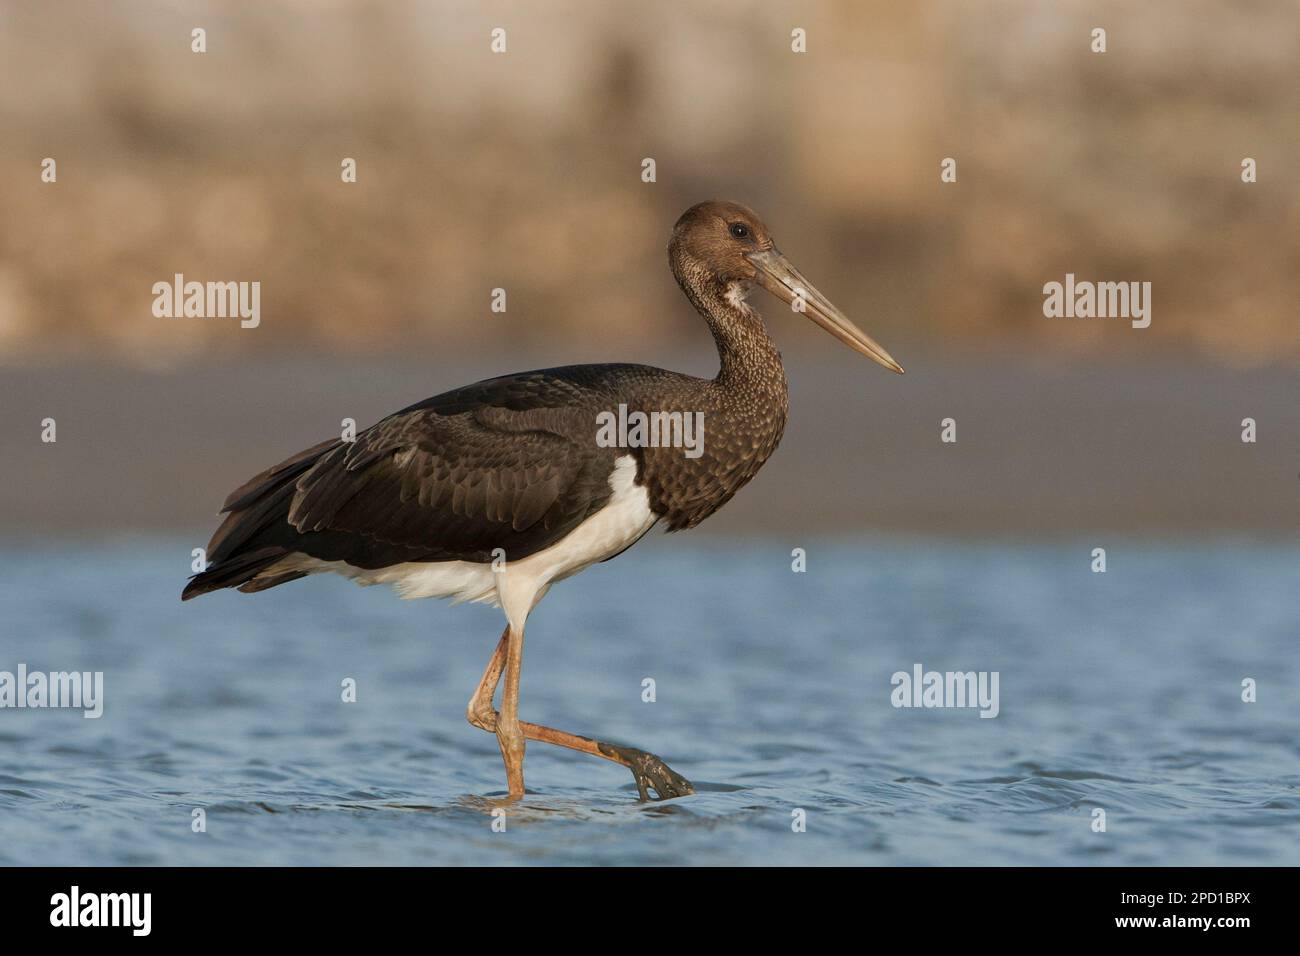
pixel 495 491
pixel 509 465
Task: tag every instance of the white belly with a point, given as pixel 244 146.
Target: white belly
pixel 518 585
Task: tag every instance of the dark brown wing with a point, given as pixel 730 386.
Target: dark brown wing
pixel 453 486
pixel 509 463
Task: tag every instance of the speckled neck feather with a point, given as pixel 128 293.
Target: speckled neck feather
pixel 744 407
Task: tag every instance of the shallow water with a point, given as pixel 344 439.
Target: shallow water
pixel 1119 691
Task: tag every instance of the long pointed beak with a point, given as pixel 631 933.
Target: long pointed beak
pixel 779 277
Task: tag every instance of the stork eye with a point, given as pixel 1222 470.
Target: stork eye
pixel 739 230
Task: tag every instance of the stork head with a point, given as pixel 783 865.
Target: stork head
pixel 726 246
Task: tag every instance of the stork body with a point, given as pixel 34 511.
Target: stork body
pixel 496 491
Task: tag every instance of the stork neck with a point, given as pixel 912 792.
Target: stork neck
pixel 746 353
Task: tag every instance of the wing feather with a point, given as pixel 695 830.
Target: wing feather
pixel 453 483
pixel 506 463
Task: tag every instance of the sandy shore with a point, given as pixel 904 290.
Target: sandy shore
pixel 1044 447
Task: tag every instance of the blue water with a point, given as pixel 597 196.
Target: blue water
pixel 1119 691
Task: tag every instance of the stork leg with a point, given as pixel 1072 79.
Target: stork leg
pixel 510 735
pixel 649 771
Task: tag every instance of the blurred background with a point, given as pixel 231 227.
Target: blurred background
pixel 523 171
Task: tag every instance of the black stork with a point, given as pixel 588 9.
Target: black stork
pixel 495 491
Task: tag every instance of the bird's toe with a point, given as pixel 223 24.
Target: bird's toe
pixel 651 773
